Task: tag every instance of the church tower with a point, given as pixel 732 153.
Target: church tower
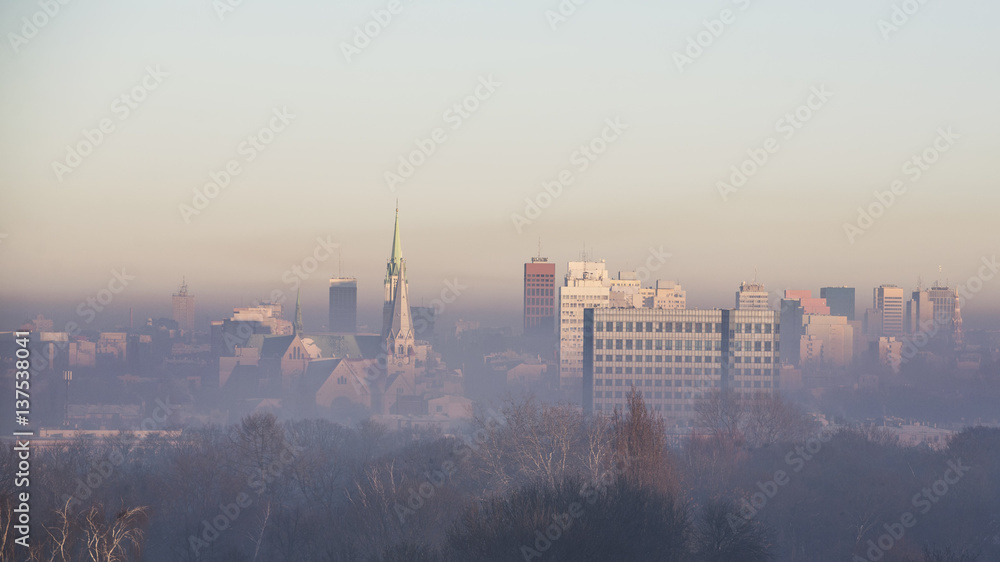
pixel 399 341
pixel 392 277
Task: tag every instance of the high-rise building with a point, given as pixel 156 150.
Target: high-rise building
pixel 586 285
pixel 792 315
pixel 752 296
pixel 890 310
pixel 677 358
pixel 343 305
pixel 184 308
pixel 809 304
pixel 947 312
pixel 835 336
pixel 668 295
pixel 539 297
pixel 919 312
pixel 840 300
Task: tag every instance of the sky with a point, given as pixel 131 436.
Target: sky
pixel 641 109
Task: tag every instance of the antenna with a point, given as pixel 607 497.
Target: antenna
pixel 539 246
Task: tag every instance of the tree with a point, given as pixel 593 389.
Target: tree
pixel 639 442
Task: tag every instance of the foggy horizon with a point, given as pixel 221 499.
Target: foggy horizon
pixel 271 284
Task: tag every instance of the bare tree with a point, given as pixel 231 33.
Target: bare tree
pixel 752 421
pixel 640 447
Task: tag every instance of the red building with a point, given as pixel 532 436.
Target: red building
pixel 539 297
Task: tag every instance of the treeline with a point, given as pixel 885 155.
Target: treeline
pixel 525 482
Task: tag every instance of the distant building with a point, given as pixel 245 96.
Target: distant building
pixel 752 296
pixel 792 315
pixel 840 300
pixel 539 297
pixel 889 310
pixel 343 305
pixel 626 291
pixel 835 335
pixel 809 304
pixel 677 358
pixel 889 352
pixel 586 285
pixel 947 313
pixel 424 321
pixel 668 296
pixel 919 312
pixel 184 308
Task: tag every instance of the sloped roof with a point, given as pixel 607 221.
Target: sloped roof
pixel 344 345
pixel 275 346
pixel 244 382
pixel 318 371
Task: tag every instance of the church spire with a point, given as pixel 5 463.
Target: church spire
pixel 297 327
pixel 401 331
pixel 397 250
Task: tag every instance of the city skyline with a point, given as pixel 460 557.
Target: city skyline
pixel 667 138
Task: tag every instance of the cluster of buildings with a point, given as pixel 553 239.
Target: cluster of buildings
pixel 614 334
pixel 395 376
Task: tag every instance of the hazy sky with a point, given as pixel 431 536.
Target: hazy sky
pixel 218 80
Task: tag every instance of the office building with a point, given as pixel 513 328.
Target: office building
pixel 751 296
pixel 840 300
pixel 586 285
pixel 343 305
pixel 676 357
pixel 947 313
pixel 539 297
pixel 184 308
pixel 831 336
pixel 809 304
pixel 792 315
pixel 667 295
pixel 887 315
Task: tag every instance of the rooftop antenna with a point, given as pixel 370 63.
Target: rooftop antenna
pixel 539 246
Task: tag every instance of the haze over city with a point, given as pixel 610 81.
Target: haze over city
pixel 655 186
pixel 422 281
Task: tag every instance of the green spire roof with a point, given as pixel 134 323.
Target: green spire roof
pixel 298 314
pixel 397 250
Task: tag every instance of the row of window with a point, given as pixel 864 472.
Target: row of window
pixel 685 327
pixel 657 382
pixel 675 395
pixel 690 345
pixel 679 371
pixel 677 359
pixel 539 292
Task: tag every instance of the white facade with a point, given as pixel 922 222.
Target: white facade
pixel 888 301
pixel 752 296
pixel 669 296
pixel 586 285
pixel 836 336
